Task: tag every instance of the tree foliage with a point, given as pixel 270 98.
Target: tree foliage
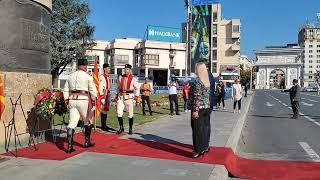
pixel 245 76
pixel 70 34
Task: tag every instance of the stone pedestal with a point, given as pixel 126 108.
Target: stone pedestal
pixel 24 56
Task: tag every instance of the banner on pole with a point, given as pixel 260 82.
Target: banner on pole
pixel 200 34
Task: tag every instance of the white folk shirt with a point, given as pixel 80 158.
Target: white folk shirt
pixel 81 81
pixel 237 92
pixel 134 86
pixel 103 85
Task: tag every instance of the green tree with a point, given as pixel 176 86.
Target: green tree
pixel 245 76
pixel 70 34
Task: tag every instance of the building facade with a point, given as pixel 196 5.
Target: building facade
pixel 225 44
pixel 278 66
pixel 156 60
pixel 98 52
pixel 309 40
pixel 245 62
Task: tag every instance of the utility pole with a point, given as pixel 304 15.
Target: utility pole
pixel 187 6
pixel 251 74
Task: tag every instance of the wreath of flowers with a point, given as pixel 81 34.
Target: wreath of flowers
pixel 48 103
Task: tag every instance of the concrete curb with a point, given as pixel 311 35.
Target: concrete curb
pixel 220 172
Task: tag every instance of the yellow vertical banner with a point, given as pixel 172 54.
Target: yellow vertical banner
pixel 2 100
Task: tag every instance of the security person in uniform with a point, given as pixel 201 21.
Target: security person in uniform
pixel 79 91
pixel 128 90
pixel 105 97
pixel 295 98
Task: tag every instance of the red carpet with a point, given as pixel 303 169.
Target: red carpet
pixel 240 167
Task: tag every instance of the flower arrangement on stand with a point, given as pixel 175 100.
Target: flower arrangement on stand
pixel 61 107
pixel 48 103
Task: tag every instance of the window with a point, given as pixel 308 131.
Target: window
pixel 310 56
pixel 236 29
pixel 215 17
pixel 318 66
pixel 310 72
pixel 318 45
pixel 318 56
pixel 310 67
pixel 310 51
pixel 318 51
pixel 214 29
pixel 310 77
pixel 215 42
pixel 310 61
pixel 310 46
pixel 318 61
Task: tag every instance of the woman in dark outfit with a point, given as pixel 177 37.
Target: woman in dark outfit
pixel 200 110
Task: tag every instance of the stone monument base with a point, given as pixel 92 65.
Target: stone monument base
pixel 26 84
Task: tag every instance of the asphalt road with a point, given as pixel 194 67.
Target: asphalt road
pixel 270 133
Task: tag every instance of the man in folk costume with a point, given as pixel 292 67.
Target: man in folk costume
pixel 128 90
pixel 79 91
pixel 105 97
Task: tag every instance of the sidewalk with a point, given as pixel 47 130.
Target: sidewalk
pixel 173 130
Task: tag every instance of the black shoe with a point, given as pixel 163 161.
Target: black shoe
pixel 130 125
pixel 70 133
pixel 207 150
pixel 87 133
pixel 109 129
pixel 103 122
pixel 144 114
pixel 178 114
pixel 121 130
pixel 196 155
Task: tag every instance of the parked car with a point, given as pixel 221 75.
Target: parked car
pixel 310 89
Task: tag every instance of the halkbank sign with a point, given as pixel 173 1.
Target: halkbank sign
pixel 158 33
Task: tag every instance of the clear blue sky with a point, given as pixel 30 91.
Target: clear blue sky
pixel 272 22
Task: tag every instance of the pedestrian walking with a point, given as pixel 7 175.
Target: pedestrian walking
pixel 79 92
pixel 146 92
pixel 173 96
pixel 186 90
pixel 128 90
pixel 221 94
pixel 295 98
pixel 200 110
pixel 237 95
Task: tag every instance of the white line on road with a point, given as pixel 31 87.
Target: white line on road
pixel 310 95
pixel 269 104
pixel 313 155
pixel 306 104
pixel 312 100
